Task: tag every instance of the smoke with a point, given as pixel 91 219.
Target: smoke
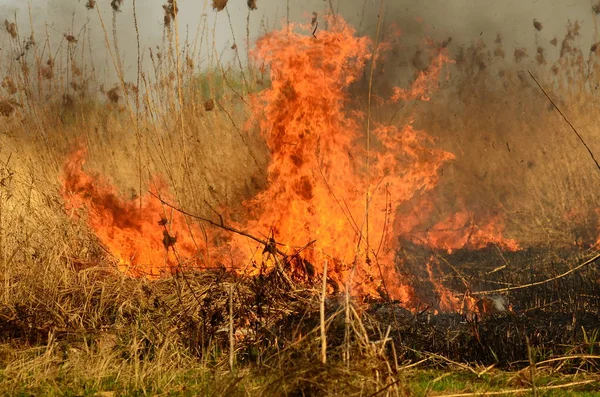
pixel 199 25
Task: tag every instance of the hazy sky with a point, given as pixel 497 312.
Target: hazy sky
pixel 464 20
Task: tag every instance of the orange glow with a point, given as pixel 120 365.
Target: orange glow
pixel 459 231
pixel 425 82
pixel 147 240
pixel 448 300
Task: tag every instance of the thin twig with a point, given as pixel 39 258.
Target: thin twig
pixel 567 120
pixel 494 291
pixel 213 223
pixel 571 357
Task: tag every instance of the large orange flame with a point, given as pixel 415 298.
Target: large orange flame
pixel 147 239
pixel 319 179
pixel 335 180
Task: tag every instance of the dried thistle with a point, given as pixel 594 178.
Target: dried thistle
pixel 540 57
pixel 596 8
pixel 209 105
pixel 11 28
pixel 566 47
pixel 6 109
pixel 252 4
pixel 114 95
pixel 219 5
pixel 130 87
pixel 189 62
pixel 171 10
pixel 594 48
pixel 91 4
pixel 29 43
pixel 537 25
pixel 47 71
pixel 8 106
pixel 554 42
pixel 519 54
pixel 116 5
pixel 70 38
pixel 9 85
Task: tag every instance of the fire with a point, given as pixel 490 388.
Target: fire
pixel 460 231
pixel 146 239
pixel 448 300
pixel 330 194
pixel 318 177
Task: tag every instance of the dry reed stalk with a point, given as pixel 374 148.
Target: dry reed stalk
pixel 347 325
pixel 231 339
pixel 184 151
pixel 545 281
pixel 116 65
pixel 322 316
pixel 369 99
pixel 532 367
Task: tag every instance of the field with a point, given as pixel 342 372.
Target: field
pixel 340 215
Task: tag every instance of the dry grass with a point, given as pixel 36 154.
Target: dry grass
pixel 70 323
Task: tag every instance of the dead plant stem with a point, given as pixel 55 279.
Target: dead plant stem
pixel 532 367
pixel 567 120
pixel 231 339
pixel 369 115
pixel 322 313
pixel 137 102
pixel 494 291
pixel 221 224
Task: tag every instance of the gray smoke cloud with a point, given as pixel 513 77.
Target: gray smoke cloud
pixel 464 20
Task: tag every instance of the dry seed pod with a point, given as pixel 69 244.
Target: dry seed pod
pixel 219 5
pixel 11 28
pixel 116 5
pixel 209 105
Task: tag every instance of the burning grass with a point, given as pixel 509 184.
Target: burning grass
pixel 184 250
